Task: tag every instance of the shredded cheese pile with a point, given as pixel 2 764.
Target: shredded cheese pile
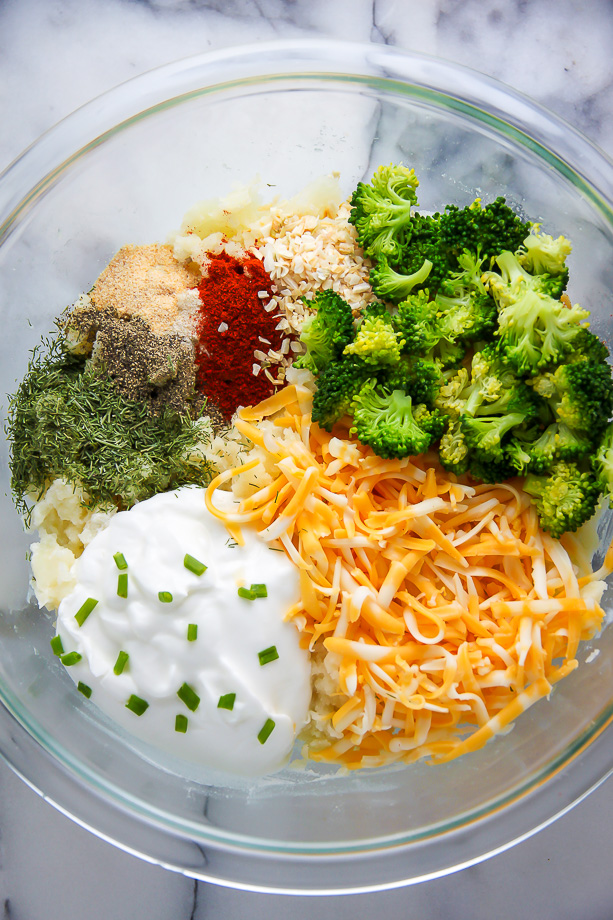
pixel 439 610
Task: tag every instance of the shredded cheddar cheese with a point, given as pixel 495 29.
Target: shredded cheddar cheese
pixel 437 610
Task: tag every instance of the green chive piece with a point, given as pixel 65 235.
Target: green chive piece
pixel 226 701
pixel 192 632
pixel 266 731
pixel 122 660
pixel 165 597
pixel 259 590
pixel 122 585
pixel 247 593
pixel 181 724
pixel 56 646
pixel 84 689
pixel 70 658
pixel 120 561
pixel 136 705
pixel 189 696
pixel 268 655
pixel 194 565
pixel 84 610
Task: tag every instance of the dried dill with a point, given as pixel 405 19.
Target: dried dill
pixel 68 419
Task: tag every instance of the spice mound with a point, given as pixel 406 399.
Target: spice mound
pixel 148 281
pixel 234 329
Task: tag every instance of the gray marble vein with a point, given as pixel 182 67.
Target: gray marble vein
pixel 55 55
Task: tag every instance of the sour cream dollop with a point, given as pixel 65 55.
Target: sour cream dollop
pixel 244 655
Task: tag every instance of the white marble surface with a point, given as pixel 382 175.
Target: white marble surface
pixel 56 55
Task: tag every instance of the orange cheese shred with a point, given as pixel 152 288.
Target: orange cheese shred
pixel 436 610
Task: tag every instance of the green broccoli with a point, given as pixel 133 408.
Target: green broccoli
pixel 453 449
pixel 513 279
pixel 580 395
pixel 587 345
pixel 395 285
pixel 536 331
pixel 376 341
pixel 484 435
pixel 337 385
pixel 325 333
pixel 386 422
pixel 557 442
pixel 469 310
pixel 541 254
pixel 602 463
pixel 565 497
pixel 417 376
pixel 482 230
pixel 381 212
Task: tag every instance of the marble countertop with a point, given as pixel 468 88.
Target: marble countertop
pixel 56 55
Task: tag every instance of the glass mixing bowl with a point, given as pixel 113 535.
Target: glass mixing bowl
pixel 125 168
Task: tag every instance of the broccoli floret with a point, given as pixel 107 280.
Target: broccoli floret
pixel 491 388
pixel 453 449
pixel 485 230
pixel 565 497
pixel 376 341
pixel 485 434
pixel 381 211
pixel 512 280
pixel 541 254
pixel 587 345
pixel 602 463
pixel 337 385
pixel 518 454
pixel 580 395
pixel 536 330
pixel 491 469
pixel 470 312
pixel 428 331
pixel 396 285
pixel 430 420
pixel 424 247
pixel 453 392
pixel 386 422
pixel 418 377
pixel 447 354
pixel 557 442
pixel 325 333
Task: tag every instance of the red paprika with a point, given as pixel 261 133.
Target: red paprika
pixel 225 356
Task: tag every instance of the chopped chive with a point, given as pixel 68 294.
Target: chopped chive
pixel 70 658
pixel 84 610
pixel 181 724
pixel 247 593
pixel 266 731
pixel 136 705
pixel 194 565
pixel 84 689
pixel 226 701
pixel 165 597
pixel 56 646
pixel 122 660
pixel 189 696
pixel 120 561
pixel 259 591
pixel 122 585
pixel 268 655
pixel 192 632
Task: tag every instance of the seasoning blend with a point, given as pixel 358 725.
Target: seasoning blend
pixel 235 330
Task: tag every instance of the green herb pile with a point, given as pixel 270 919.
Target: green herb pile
pixel 67 419
pixel 473 351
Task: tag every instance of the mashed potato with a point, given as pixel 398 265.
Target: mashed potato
pixel 65 526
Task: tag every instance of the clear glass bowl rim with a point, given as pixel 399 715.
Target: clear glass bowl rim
pixel 588 761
